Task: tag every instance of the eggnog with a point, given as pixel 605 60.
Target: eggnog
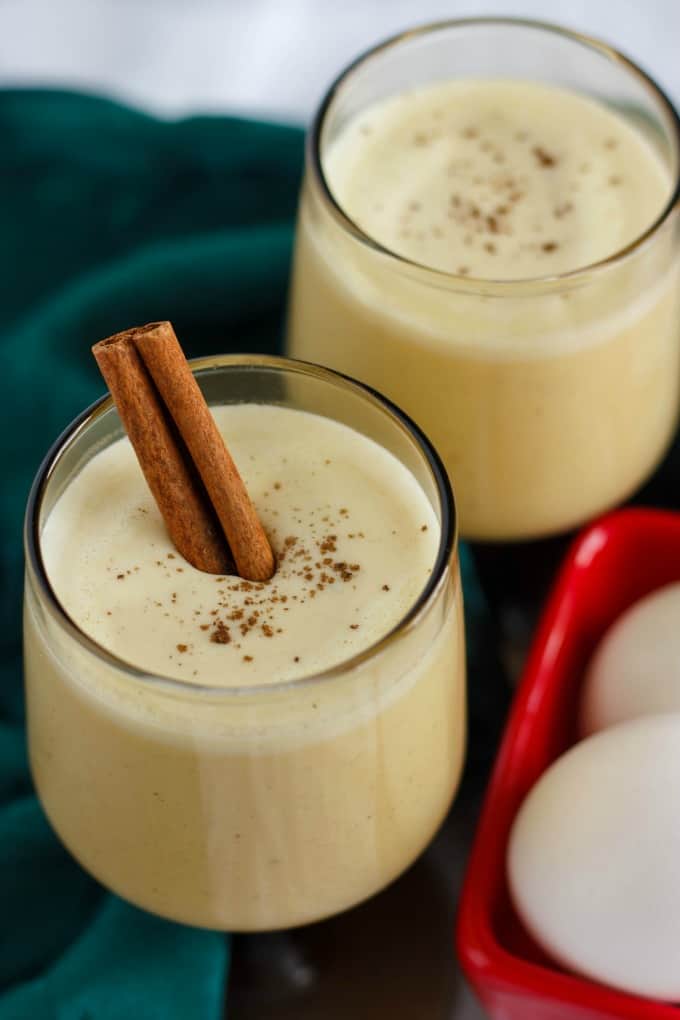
pixel 451 284
pixel 238 777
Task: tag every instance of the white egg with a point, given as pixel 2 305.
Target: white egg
pixel 594 858
pixel 636 667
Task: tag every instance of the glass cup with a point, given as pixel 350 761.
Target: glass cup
pixel 549 399
pixel 252 808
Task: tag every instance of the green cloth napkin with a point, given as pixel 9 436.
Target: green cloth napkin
pixel 110 218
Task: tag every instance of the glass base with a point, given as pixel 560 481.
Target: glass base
pixel 392 957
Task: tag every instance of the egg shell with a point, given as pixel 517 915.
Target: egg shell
pixel 635 670
pixel 594 858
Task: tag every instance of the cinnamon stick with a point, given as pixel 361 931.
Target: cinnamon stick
pixel 189 518
pixel 192 477
pixel 164 359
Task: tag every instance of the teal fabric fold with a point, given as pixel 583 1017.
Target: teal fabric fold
pixel 110 218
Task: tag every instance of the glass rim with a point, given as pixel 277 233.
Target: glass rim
pixel 445 558
pixel 476 284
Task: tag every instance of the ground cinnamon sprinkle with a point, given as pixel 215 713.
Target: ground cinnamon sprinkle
pixel 295 560
pixel 329 544
pixel 306 559
pixel 543 157
pixel 221 634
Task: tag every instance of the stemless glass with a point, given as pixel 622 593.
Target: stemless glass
pixel 251 808
pixel 549 399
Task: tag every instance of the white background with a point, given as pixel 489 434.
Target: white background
pixel 271 58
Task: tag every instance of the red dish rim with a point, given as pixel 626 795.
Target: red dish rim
pixel 484 960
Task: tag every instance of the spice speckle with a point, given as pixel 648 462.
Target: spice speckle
pixel 543 157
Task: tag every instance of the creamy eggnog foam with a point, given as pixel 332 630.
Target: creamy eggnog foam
pixel 547 403
pixel 498 180
pixel 237 810
pixel 354 536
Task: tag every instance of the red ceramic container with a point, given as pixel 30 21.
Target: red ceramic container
pixel 613 563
